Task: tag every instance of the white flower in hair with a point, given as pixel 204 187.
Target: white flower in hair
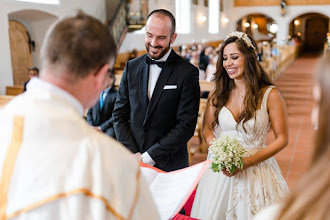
pixel 243 36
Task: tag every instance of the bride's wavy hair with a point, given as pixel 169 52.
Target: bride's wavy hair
pixel 254 75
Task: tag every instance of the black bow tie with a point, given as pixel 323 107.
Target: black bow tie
pixel 151 61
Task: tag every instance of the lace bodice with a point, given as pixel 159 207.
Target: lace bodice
pixel 257 127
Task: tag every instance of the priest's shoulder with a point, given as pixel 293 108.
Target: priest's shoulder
pixel 109 150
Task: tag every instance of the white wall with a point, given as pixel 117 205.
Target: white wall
pixel 38 27
pixel 131 41
pixel 200 31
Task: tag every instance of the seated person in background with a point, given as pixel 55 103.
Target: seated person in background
pixel 194 60
pixel 53 165
pixel 100 115
pixel 33 72
pixel 260 50
pixel 133 54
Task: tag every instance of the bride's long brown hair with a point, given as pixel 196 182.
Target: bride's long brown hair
pixel 255 79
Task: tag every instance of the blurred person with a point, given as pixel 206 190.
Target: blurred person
pixel 53 165
pixel 33 72
pixel 245 105
pixel 157 105
pixel 133 54
pixel 100 115
pixel 310 197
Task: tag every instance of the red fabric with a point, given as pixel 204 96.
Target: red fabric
pixel 189 203
pixel 187 209
pixel 183 217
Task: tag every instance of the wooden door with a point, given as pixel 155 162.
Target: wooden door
pixel 21 56
pixel 315 33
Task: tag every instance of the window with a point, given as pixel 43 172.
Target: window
pixel 49 2
pixel 214 14
pixel 182 15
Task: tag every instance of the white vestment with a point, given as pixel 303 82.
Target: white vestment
pixel 65 169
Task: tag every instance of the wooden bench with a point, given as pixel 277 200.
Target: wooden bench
pixel 118 79
pixel 206 86
pixel 198 131
pixel 4 99
pixel 14 90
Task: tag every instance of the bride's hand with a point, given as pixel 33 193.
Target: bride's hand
pixel 226 173
pixel 246 164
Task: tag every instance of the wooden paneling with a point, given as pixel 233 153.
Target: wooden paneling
pixel 21 57
pixel 244 3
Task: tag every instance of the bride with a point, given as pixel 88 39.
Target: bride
pixel 245 105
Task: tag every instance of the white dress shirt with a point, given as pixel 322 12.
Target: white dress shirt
pixel 154 72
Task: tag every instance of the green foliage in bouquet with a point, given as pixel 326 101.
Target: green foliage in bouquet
pixel 227 154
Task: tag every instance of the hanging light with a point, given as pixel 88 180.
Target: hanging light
pixel 273 28
pixel 296 22
pixel 225 20
pixel 255 26
pixel 247 24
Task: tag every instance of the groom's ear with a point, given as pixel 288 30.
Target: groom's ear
pixel 173 37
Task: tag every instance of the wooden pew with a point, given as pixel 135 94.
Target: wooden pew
pixel 118 79
pixel 14 90
pixel 4 99
pixel 206 86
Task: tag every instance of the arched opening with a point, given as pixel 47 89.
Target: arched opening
pixel 258 26
pixel 27 30
pixel 310 31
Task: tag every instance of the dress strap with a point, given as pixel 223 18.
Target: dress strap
pixel 265 98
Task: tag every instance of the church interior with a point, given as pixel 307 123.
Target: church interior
pixel 292 36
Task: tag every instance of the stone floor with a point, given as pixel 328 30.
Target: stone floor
pixel 296 84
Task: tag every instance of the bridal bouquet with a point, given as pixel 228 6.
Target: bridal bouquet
pixel 227 153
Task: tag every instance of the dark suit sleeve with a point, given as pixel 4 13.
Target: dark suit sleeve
pixel 121 115
pixel 89 117
pixel 111 103
pixel 186 121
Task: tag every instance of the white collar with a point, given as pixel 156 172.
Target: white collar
pixel 37 83
pixel 107 89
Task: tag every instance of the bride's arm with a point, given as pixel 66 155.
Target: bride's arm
pixel 208 131
pixel 279 121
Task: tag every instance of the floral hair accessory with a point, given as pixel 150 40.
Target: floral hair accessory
pixel 243 36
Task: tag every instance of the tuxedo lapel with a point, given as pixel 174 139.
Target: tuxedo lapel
pixel 144 79
pixel 164 74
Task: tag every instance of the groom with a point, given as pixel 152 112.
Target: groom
pixel 158 99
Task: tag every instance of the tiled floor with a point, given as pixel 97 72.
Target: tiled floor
pixel 296 84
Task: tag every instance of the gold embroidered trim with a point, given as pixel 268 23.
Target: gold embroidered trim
pixel 8 167
pixel 86 192
pixel 9 163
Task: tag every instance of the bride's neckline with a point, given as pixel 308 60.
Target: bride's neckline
pixel 232 115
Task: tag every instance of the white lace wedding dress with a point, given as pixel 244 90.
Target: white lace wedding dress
pixel 219 197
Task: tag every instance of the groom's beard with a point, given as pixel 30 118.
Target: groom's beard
pixel 160 54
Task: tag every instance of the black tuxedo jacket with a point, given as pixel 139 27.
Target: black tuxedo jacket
pixel 103 117
pixel 163 125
